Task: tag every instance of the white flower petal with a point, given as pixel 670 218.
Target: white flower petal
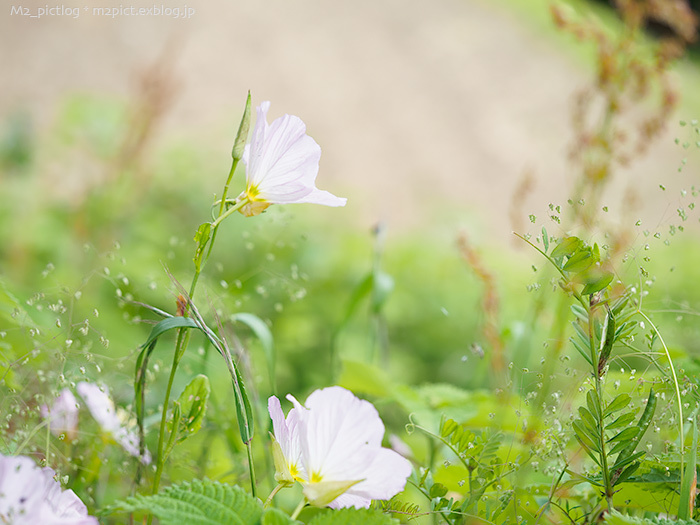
pixel 340 431
pixel 63 414
pixel 103 410
pixel 30 495
pixel 100 405
pixel 384 478
pixel 282 163
pixel 286 434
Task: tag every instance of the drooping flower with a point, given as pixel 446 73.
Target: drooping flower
pixel 102 409
pixel 63 414
pixel 281 165
pixel 30 495
pixel 333 447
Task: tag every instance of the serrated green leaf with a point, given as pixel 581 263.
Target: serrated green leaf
pixel 199 502
pixel 615 518
pixel 353 516
pixel 617 404
pixel 264 335
pixel 277 517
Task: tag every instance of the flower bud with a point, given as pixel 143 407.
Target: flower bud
pixel 242 136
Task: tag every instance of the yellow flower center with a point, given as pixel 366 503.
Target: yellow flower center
pixel 316 477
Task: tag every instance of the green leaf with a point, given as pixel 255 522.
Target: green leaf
pixel 594 404
pixel 363 378
pixel 192 405
pixel 626 461
pixel 616 404
pixel 353 516
pixel 588 419
pixel 277 517
pixel 545 239
pixel 615 518
pixel 579 262
pixel 622 421
pixel 580 312
pixel 199 502
pixel 262 332
pixel 585 352
pixel 142 363
pixel 623 436
pixel 382 286
pixel 438 490
pixel 690 477
pixel 201 238
pixel 168 324
pixel 582 433
pixel 566 247
pixel 642 425
pixel 596 282
pixel 606 342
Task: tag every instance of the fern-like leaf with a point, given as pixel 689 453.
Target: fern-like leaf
pixel 353 516
pixel 201 502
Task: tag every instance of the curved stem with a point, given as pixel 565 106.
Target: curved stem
pixel 299 508
pixel 675 383
pixel 183 335
pixel 273 494
pixel 239 204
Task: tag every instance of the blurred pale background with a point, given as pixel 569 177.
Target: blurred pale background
pixel 425 111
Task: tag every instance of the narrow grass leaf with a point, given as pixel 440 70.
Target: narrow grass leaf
pixel 264 335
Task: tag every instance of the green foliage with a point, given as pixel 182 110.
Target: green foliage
pixel 190 408
pixel 202 502
pixel 353 516
pixel 616 518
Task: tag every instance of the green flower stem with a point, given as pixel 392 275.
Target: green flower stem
pixel 607 483
pixel 681 435
pixel 251 468
pixel 183 335
pixel 239 204
pixel 299 508
pixel 274 492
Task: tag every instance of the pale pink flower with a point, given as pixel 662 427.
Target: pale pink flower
pixel 102 409
pixel 29 495
pixel 281 165
pixel 333 447
pixel 63 414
